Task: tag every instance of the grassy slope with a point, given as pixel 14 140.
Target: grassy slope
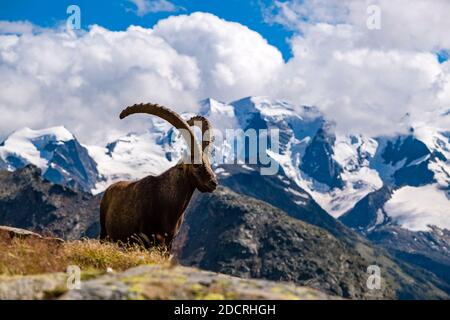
pixel 32 267
pixel 31 255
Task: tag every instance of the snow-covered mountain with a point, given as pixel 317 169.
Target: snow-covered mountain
pixel 137 154
pixel 340 172
pixel 416 170
pixel 59 155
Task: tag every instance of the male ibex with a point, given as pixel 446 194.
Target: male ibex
pixel 152 209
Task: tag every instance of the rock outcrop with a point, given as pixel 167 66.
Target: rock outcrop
pixel 29 201
pixel 241 236
pixel 154 282
pixel 245 237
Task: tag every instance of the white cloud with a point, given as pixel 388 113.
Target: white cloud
pixel 234 61
pixel 51 78
pixel 364 89
pixel 406 24
pixel 374 82
pixel 144 7
pixel 83 82
pixel 371 81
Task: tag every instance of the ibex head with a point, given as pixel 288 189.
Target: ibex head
pixel 202 172
pixel 199 167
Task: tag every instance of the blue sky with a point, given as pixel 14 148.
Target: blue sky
pixel 119 14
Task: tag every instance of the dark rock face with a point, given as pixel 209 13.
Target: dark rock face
pixel 318 162
pixel 238 235
pixel 409 149
pixel 282 193
pixel 427 249
pixel 365 214
pixel 31 202
pixel 245 237
pixel 416 175
pixel 277 191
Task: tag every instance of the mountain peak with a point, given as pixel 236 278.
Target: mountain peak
pixel 26 145
pixel 267 107
pixel 57 133
pixel 211 107
pixel 55 151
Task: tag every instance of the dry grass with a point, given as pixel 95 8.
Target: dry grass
pixel 20 256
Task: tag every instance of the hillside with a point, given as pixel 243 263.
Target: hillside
pixel 29 201
pixel 32 267
pixel 428 249
pixel 238 235
pixel 256 239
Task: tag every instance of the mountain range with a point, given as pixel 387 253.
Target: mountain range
pixel 393 190
pixel 235 234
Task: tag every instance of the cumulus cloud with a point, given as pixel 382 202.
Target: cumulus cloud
pixel 368 81
pixel 235 61
pixel 418 24
pixel 371 81
pixel 82 81
pixel 363 89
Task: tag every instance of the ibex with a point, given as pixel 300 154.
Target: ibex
pixel 152 209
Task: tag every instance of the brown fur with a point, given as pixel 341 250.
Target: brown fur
pixel 151 210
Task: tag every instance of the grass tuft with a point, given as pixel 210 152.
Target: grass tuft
pixel 23 256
